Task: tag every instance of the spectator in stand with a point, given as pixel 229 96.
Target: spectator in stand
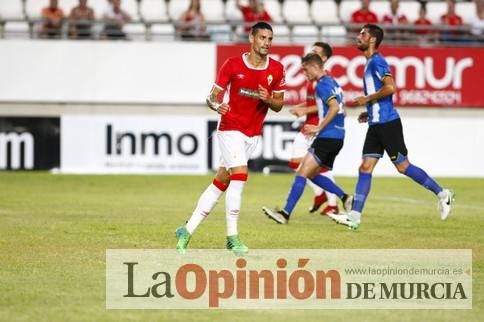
pixel 191 24
pixel 395 18
pixel 362 16
pixel 423 34
pixel 477 22
pixel 252 13
pixel 114 20
pixel 451 19
pixel 53 16
pixel 83 17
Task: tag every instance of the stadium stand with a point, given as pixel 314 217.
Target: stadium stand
pixel 294 20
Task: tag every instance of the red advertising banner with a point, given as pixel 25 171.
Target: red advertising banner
pixel 424 76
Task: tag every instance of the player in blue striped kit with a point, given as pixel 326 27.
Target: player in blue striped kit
pixel 330 133
pixel 384 131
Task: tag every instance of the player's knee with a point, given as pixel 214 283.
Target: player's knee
pixel 365 168
pixel 223 177
pixel 402 167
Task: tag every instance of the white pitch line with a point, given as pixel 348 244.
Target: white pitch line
pixel 411 200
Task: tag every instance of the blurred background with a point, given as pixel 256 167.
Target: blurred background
pixel 118 86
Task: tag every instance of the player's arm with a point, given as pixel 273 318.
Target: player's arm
pixel 301 110
pixel 387 89
pixel 212 101
pixel 275 102
pixel 332 112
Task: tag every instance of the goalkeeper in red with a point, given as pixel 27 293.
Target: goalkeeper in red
pixel 255 84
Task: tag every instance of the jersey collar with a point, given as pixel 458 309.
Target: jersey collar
pixel 247 64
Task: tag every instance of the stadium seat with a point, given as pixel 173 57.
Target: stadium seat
pixel 213 10
pixel 467 10
pixel 324 11
pixel 154 10
pixel 282 34
pixel 99 7
pixel 131 8
pixel 177 7
pixel 296 11
pixel 305 34
pixel 348 7
pixel 411 10
pixel 435 10
pixel 135 31
pixel 17 29
pixel 164 31
pixel 381 8
pixel 231 11
pixel 11 9
pixel 34 8
pixel 67 5
pixel 335 35
pixel 274 9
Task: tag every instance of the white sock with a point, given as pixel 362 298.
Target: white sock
pixel 206 203
pixel 355 215
pixel 233 199
pixel 316 189
pixel 442 194
pixel 332 198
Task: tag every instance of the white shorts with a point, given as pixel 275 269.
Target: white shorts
pixel 235 148
pixel 301 145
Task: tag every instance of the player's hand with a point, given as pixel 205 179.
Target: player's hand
pixel 363 117
pixel 361 100
pixel 223 109
pixel 297 111
pixel 310 129
pixel 263 94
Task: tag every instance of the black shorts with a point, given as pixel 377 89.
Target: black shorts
pixel 325 150
pixel 385 137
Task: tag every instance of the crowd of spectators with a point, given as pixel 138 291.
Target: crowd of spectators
pixel 191 25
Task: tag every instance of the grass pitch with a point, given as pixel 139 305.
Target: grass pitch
pixel 54 230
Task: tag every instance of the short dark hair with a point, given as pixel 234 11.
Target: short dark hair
pixel 376 32
pixel 260 25
pixel 327 50
pixel 312 58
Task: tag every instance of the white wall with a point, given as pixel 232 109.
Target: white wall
pixel 103 72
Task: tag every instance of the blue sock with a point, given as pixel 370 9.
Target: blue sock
pixel 362 191
pixel 422 178
pixel 295 193
pixel 328 185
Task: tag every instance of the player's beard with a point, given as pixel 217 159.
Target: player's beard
pixel 361 46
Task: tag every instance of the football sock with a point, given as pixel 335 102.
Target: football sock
pixel 328 185
pixel 317 190
pixel 295 193
pixel 332 198
pixel 206 203
pixel 421 177
pixel 362 191
pixel 233 199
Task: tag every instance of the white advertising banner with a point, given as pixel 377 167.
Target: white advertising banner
pixel 133 144
pixel 106 72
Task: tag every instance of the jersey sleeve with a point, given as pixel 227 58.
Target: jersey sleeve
pixel 325 92
pixel 280 82
pixel 224 75
pixel 381 69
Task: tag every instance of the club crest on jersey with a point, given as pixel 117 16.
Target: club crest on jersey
pixel 269 79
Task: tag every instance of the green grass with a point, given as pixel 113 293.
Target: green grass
pixel 54 230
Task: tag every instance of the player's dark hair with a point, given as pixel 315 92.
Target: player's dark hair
pixel 327 50
pixel 376 32
pixel 312 58
pixel 260 25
